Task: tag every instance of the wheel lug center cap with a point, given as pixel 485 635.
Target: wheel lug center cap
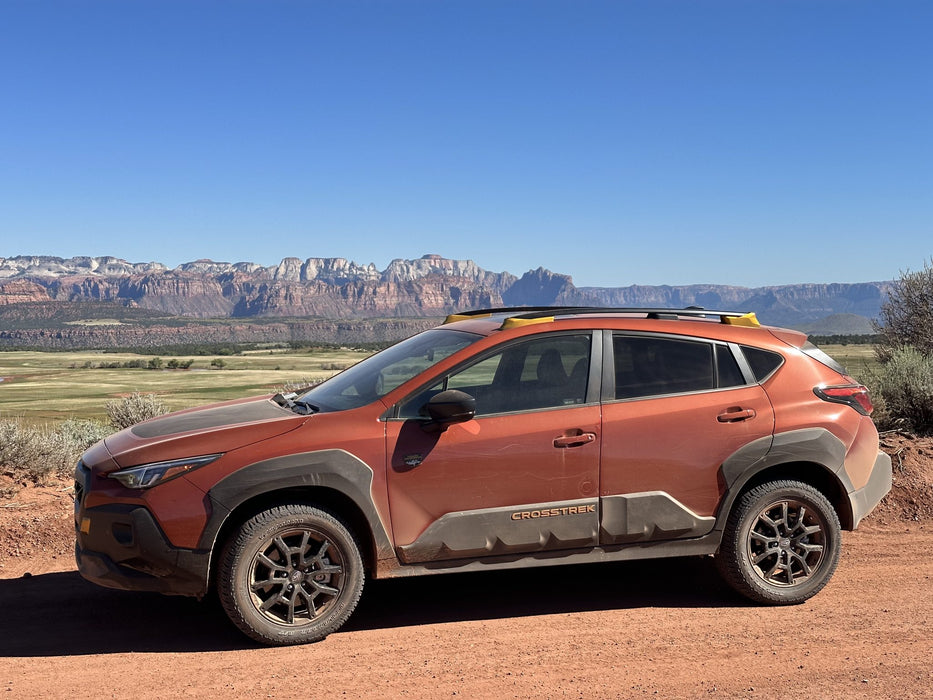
pixel 296 576
pixel 784 543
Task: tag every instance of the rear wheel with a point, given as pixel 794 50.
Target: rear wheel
pixel 291 574
pixel 781 543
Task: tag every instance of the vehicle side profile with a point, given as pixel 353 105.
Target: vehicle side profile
pixel 502 438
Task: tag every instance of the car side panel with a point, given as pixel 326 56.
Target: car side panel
pixel 676 444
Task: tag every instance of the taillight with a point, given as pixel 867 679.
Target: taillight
pixel 854 395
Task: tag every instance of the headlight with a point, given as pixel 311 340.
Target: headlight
pixel 148 475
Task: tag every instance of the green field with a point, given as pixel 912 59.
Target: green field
pixel 48 387
pixel 855 358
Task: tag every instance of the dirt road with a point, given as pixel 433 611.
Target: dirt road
pixel 640 629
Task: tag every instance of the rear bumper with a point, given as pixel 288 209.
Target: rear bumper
pixel 864 500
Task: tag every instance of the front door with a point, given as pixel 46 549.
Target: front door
pixel 521 477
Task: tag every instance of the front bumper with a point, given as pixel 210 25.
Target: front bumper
pixel 122 546
pixel 864 500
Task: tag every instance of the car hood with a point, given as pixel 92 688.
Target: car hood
pixel 198 431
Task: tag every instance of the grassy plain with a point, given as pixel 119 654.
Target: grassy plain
pixel 857 359
pixel 48 387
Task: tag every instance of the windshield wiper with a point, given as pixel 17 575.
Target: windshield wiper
pixel 301 407
pixel 305 408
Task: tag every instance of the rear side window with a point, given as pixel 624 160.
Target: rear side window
pixel 762 362
pixel 658 366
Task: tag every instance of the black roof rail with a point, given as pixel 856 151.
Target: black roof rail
pixel 533 313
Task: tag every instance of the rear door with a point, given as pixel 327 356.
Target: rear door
pixel 674 410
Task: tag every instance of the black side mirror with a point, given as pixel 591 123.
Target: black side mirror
pixel 449 407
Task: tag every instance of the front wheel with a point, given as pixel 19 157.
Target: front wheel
pixel 291 574
pixel 781 543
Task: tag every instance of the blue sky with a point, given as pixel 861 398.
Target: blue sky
pixel 626 142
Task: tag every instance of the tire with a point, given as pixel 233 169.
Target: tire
pixel 291 574
pixel 781 543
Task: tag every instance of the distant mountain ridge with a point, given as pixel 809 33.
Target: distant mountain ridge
pixel 430 286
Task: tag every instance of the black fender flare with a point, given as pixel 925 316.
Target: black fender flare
pixel 333 469
pixel 806 445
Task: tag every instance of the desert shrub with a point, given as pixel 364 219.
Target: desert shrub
pixel 84 433
pixel 35 453
pixel 902 390
pixel 134 408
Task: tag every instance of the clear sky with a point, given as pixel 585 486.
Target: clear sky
pixel 625 142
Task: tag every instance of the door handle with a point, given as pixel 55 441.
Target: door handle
pixel 574 440
pixel 736 414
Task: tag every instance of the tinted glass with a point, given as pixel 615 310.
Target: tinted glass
pixel 658 366
pixel 763 362
pixel 727 369
pixel 542 373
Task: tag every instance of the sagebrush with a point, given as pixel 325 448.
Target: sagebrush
pixel 134 408
pixel 903 391
pixel 36 453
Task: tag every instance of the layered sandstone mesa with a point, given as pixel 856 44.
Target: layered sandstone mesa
pixel 428 286
pixel 20 291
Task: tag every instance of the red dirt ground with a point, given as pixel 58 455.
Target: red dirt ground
pixel 638 629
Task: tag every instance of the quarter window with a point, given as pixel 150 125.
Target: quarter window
pixel 762 362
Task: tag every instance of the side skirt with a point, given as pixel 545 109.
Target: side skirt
pixel 708 544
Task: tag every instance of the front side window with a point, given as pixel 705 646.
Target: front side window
pixel 652 366
pixel 546 372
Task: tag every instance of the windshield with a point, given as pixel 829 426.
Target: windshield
pixel 376 376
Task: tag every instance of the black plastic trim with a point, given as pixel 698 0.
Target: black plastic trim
pixel 333 469
pixel 126 549
pixel 507 530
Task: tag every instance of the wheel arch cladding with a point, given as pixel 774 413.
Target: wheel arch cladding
pixel 333 480
pixel 811 455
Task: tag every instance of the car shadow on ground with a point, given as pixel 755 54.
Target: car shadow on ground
pixel 60 614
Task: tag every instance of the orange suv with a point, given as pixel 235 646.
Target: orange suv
pixel 502 438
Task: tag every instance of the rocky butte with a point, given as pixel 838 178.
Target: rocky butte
pixel 429 287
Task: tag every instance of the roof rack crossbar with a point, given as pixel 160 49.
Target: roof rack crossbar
pixel 530 313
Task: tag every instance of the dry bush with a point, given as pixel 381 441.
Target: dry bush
pixel 134 408
pixel 36 453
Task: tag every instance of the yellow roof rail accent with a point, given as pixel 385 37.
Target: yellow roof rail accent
pixel 453 318
pixel 519 322
pixel 749 319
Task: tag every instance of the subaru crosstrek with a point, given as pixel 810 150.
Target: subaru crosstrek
pixel 502 438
